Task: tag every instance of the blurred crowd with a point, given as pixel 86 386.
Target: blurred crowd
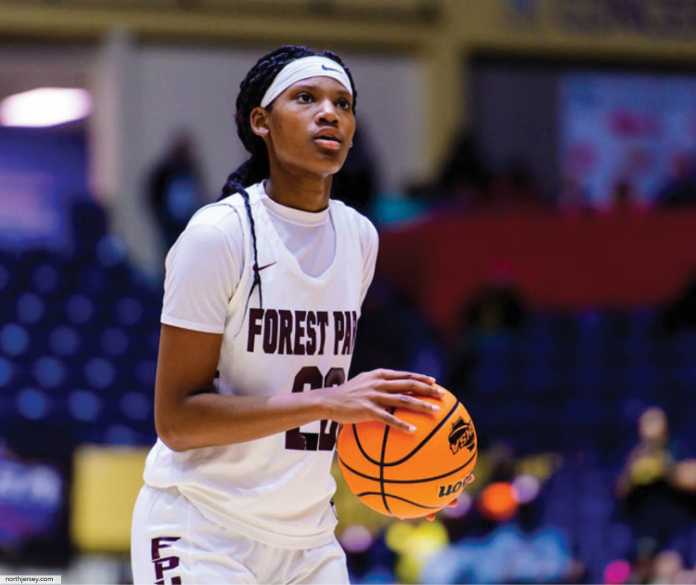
pixel 464 183
pixel 585 475
pixel 580 479
pixel 467 183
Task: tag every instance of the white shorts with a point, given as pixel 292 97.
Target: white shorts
pixel 172 543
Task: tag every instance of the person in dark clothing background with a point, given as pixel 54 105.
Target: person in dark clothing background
pixel 356 184
pixel 175 188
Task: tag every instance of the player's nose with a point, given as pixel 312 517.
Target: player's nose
pixel 326 113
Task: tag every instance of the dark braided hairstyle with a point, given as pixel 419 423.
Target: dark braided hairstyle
pixel 256 167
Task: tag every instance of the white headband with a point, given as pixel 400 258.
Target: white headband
pixel 303 69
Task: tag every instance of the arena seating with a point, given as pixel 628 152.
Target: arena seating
pixel 78 343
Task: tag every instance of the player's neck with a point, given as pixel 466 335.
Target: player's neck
pixel 305 192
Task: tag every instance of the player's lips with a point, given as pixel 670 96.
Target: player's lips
pixel 328 139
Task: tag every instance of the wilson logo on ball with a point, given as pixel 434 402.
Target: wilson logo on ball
pixel 448 490
pixel 461 436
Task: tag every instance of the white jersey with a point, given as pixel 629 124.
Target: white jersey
pixel 277 489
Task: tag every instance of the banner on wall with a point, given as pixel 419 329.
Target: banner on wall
pixel 651 19
pixel 42 172
pixel 635 130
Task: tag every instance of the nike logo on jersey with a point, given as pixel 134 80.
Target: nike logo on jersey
pixel 260 268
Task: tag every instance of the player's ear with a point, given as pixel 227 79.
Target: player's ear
pixel 259 121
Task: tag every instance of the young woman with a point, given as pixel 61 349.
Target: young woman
pixel 262 298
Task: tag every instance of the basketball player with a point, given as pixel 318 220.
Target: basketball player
pixel 261 304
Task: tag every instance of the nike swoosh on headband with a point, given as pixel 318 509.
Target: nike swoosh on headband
pixel 304 68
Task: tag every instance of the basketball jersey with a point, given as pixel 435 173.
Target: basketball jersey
pixel 277 489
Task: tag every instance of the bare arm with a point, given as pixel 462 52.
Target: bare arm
pixel 189 415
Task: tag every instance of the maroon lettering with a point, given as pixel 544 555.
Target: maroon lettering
pixel 254 327
pixel 339 329
pixel 311 345
pixel 285 340
pixel 323 318
pixel 270 331
pixel 347 343
pixel 159 543
pixel 299 332
pixel 328 428
pixel 355 329
pixel 161 563
pixel 310 376
pixel 300 317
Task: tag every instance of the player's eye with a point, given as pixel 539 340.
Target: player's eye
pixel 344 104
pixel 304 97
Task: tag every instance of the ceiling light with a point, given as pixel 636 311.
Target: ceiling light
pixel 45 106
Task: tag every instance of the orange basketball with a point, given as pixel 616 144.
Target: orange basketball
pixel 409 475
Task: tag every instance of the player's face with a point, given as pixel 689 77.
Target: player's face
pixel 311 126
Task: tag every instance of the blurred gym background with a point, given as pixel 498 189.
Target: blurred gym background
pixel 531 165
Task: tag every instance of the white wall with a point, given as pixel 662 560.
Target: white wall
pixel 195 88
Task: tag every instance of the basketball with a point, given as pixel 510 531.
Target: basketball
pixel 410 475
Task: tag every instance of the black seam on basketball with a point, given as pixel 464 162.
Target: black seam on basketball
pixel 421 480
pixel 362 450
pixel 408 455
pixel 381 465
pixel 424 441
pixel 360 495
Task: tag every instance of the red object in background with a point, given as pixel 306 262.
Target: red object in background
pixel 609 260
pixel 497 501
pixel 628 124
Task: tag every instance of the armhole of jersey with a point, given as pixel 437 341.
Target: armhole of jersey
pixel 349 221
pixel 365 254
pixel 240 294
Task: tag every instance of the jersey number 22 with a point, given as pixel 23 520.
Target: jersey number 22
pixel 325 439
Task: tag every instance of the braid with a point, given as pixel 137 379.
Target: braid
pixel 256 167
pixel 236 184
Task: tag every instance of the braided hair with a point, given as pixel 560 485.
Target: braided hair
pixel 256 167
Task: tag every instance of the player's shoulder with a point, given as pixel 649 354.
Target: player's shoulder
pixel 223 214
pixel 214 228
pixel 361 222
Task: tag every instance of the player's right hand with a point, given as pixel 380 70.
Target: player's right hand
pixel 374 395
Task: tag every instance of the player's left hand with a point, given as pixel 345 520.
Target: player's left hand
pixel 453 504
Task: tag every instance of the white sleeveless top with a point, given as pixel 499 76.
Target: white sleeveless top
pixel 277 489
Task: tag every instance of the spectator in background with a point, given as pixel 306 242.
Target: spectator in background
pixel 624 198
pixel 498 307
pixel 467 181
pixel 393 331
pixel 650 497
pixel 574 199
pixel 175 188
pixel 680 189
pixel 463 178
pixel 357 182
pixel 681 312
pixel 89 223
pixel 515 188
